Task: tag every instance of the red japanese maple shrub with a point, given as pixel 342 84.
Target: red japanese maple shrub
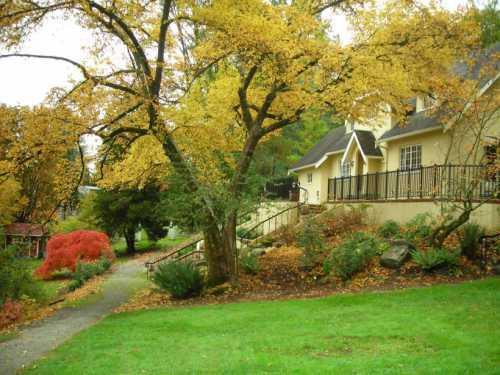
pixel 66 250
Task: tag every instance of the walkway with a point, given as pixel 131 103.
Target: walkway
pixel 39 338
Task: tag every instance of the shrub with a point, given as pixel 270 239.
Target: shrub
pixel 341 222
pixel 389 229
pixel 248 234
pixel 249 264
pixel 419 227
pixel 15 278
pixel 352 255
pixel 434 258
pixel 66 250
pixel 286 234
pixel 75 284
pixel 85 271
pixel 469 241
pixel 10 312
pixel 180 279
pixel 311 240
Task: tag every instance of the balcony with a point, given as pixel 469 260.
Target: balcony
pixel 425 183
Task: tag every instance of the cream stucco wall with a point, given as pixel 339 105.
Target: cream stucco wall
pixel 487 215
pixel 434 147
pixel 318 188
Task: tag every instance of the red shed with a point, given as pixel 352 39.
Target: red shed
pixel 33 234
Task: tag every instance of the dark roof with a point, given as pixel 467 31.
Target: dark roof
pixel 335 140
pixel 25 230
pixel 367 143
pixel 417 122
pixel 421 120
pixel 486 59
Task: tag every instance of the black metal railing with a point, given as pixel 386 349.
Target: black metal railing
pixel 433 182
pixel 283 188
pixel 287 216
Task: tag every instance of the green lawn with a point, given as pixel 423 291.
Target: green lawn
pixel 49 288
pixel 449 329
pixel 120 247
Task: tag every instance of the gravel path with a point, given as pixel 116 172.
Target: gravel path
pixel 39 338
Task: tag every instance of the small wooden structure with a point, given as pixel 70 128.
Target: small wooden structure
pixel 33 235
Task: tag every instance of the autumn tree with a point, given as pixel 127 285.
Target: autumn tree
pixel 40 164
pixel 203 83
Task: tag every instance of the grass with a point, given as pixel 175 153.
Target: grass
pixel 447 329
pixel 49 288
pixel 120 247
pixel 5 336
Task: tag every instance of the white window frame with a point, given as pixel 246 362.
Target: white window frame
pixel 410 157
pixel 309 178
pixel 344 168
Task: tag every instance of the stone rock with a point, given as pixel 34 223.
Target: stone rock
pixel 397 255
pixel 258 251
pixel 279 243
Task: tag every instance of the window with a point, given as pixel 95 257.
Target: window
pixel 309 178
pixel 410 157
pixel 344 168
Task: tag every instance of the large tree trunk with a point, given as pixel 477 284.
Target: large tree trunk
pixel 221 252
pixel 130 240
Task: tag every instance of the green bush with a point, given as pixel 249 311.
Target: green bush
pixel 16 279
pixel 75 284
pixel 180 279
pixel 420 227
pixel 434 258
pixel 470 239
pixel 85 271
pixel 310 238
pixel 389 229
pixel 248 234
pixel 352 255
pixel 249 264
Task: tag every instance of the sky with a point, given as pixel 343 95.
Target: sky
pixel 27 81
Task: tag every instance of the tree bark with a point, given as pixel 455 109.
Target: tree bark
pixel 130 240
pixel 220 251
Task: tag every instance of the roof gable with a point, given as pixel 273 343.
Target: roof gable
pixel 334 141
pixel 25 230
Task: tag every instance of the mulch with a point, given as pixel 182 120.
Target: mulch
pixel 281 277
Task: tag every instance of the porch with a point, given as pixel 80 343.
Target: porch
pixel 423 183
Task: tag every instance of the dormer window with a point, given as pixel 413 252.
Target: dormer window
pixel 424 103
pixel 344 168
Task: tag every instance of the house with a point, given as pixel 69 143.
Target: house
pixel 34 236
pixel 419 160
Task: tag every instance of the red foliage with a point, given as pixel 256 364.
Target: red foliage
pixel 10 312
pixel 66 250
